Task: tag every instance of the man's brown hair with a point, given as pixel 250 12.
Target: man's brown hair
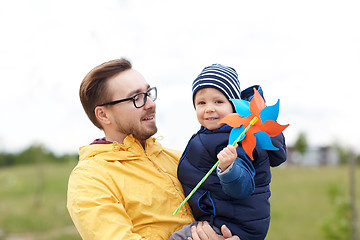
pixel 93 91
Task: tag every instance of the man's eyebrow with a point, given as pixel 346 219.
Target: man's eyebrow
pixel 136 91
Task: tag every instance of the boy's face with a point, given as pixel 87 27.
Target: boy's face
pixel 211 106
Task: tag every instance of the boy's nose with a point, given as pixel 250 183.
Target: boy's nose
pixel 209 108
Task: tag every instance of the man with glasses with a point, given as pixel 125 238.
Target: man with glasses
pixel 125 184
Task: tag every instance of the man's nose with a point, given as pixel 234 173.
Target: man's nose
pixel 149 103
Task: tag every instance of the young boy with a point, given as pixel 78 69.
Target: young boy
pixel 237 194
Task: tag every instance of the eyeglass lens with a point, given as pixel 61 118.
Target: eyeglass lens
pixel 140 99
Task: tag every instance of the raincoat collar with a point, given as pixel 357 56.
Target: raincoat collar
pixel 131 149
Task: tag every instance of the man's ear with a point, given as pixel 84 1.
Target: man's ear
pixel 101 115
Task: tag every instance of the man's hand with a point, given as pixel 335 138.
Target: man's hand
pixel 204 231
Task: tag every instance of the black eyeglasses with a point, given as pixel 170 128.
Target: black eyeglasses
pixel 139 99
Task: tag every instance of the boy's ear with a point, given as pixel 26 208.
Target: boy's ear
pixel 101 115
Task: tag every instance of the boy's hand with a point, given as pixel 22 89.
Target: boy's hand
pixel 227 156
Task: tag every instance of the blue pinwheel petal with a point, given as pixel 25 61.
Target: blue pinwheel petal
pixel 235 133
pixel 242 107
pixel 270 112
pixel 263 141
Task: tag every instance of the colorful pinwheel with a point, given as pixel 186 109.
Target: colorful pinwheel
pixel 260 132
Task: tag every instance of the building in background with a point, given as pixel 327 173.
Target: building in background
pixel 314 156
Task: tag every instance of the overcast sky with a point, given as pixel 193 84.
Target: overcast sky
pixel 305 53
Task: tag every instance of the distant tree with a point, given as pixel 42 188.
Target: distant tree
pixel 7 159
pixel 352 190
pixel 34 154
pixel 68 158
pixel 343 153
pixel 301 144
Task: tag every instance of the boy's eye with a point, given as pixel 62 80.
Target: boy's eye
pixel 219 101
pixel 201 103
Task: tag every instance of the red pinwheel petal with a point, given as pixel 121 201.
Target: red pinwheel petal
pixel 233 120
pixel 272 128
pixel 249 143
pixel 257 103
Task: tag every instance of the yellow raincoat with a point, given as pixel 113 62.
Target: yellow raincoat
pixel 121 191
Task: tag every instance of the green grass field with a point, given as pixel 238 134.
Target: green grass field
pixel 300 202
pixel 33 201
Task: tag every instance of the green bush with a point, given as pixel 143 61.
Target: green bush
pixel 35 154
pixel 338 225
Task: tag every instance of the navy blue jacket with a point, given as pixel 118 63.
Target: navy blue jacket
pixel 241 203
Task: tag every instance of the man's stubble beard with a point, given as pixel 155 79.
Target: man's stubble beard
pixel 140 134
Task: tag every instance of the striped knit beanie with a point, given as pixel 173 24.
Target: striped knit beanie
pixel 223 78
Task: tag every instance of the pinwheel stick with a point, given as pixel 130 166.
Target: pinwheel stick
pixel 252 122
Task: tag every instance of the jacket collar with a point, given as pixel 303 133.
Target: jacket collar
pixel 221 129
pixel 131 149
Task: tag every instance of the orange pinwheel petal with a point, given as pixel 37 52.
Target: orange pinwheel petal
pixel 249 143
pixel 272 128
pixel 254 128
pixel 233 120
pixel 257 103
